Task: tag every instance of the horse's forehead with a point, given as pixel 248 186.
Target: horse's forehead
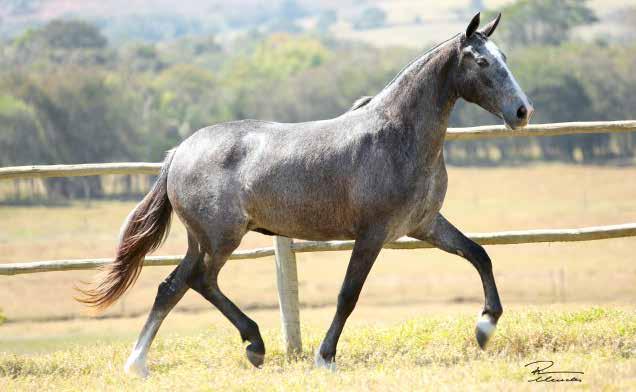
pixel 493 50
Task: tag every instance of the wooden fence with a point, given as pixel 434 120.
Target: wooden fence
pixel 284 249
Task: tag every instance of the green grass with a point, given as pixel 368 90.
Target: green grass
pixel 437 352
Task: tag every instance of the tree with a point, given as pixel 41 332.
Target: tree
pixel 281 56
pixel 326 19
pixel 79 119
pixel 188 98
pixel 61 42
pixel 291 10
pixel 20 7
pixel 71 34
pixel 541 22
pixel 370 18
pixel 20 140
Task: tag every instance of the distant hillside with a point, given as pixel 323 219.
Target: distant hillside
pixel 413 23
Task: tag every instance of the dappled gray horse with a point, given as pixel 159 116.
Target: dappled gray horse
pixel 374 174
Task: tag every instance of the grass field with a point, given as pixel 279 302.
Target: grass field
pixel 426 353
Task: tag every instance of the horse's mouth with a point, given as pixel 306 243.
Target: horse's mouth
pixel 516 127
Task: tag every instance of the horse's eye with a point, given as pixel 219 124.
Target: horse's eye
pixel 482 62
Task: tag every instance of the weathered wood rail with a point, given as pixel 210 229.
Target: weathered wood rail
pixel 496 238
pixel 284 249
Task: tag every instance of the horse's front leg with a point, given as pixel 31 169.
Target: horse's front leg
pixel 445 236
pixel 365 251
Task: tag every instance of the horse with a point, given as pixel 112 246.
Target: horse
pixel 373 174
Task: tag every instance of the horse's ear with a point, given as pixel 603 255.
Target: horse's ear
pixel 490 27
pixel 472 26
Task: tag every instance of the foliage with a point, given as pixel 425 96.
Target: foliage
pixel 370 18
pixel 140 99
pixel 20 7
pixel 326 19
pixel 64 34
pixel 156 27
pixel 541 22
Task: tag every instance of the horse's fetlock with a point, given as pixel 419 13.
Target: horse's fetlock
pixel 494 312
pixel 328 355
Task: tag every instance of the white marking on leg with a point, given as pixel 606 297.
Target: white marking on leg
pixel 486 325
pixel 321 363
pixel 136 363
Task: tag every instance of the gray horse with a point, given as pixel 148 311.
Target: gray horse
pixel 374 174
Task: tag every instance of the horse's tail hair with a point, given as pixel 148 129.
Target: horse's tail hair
pixel 145 229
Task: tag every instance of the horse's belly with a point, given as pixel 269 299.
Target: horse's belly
pixel 316 221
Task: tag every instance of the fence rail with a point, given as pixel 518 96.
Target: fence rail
pixel 496 238
pixel 284 249
pixel 473 133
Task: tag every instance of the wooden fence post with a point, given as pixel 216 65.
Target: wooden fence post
pixel 287 280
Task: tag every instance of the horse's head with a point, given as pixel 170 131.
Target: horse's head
pixel 484 78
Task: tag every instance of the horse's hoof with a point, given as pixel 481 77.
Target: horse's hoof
pixel 136 367
pixel 255 358
pixel 484 330
pixel 322 363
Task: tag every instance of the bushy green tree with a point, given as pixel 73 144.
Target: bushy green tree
pixel 60 42
pixel 77 120
pixel 541 22
pixel 251 78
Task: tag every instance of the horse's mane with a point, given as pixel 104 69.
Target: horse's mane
pixel 363 101
pixel 360 102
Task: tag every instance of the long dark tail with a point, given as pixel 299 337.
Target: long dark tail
pixel 144 231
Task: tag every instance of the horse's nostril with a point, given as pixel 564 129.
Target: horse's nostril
pixel 522 112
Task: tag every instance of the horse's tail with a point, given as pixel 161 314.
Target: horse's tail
pixel 144 230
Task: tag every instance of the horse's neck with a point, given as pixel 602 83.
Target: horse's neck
pixel 422 96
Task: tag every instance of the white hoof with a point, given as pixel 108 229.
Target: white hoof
pixel 484 329
pixel 486 325
pixel 136 366
pixel 321 363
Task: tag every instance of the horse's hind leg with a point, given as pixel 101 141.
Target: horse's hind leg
pixel 204 282
pixel 170 291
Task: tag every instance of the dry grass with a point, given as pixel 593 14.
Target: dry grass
pixel 433 353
